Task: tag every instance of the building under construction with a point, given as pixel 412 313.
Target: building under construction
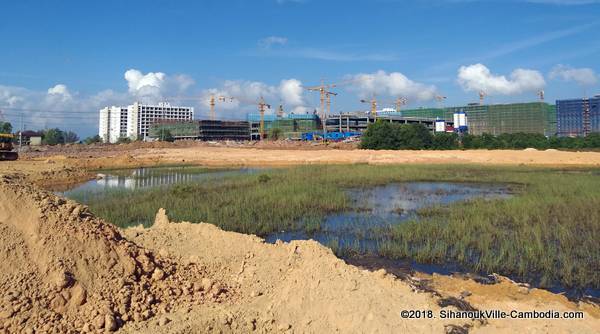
pixel 290 126
pixel 201 130
pixel 578 117
pixel 495 119
pixel 359 121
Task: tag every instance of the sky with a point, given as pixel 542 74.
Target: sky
pixel 62 61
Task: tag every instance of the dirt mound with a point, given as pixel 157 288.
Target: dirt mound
pixel 64 270
pixel 301 287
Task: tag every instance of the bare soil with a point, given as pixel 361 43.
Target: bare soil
pixel 64 270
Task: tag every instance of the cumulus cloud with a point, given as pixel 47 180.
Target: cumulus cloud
pixel 62 107
pixel 583 76
pixel 270 41
pixel 479 78
pixel 392 84
pixel 154 86
pixel 246 94
pixel 60 91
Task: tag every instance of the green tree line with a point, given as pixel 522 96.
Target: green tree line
pixel 391 136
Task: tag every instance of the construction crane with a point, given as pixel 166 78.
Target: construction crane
pixel 400 101
pixel 541 94
pixel 373 103
pixel 440 100
pixel 482 95
pixel 213 100
pixel 262 106
pixel 323 90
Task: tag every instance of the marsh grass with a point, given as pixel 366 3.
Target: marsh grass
pixel 548 232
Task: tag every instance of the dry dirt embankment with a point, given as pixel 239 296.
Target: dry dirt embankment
pixel 64 270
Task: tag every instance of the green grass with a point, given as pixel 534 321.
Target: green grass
pixel 549 232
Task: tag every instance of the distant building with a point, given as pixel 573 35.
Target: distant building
pixel 113 124
pixel 578 117
pixel 134 121
pixel 496 119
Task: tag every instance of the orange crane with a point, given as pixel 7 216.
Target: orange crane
pixel 262 106
pixel 373 103
pixel 323 90
pixel 398 102
pixel 212 101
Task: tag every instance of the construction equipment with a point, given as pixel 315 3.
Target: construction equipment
pixel 262 106
pixel 6 147
pixel 482 96
pixel 212 101
pixel 541 94
pixel 373 103
pixel 323 90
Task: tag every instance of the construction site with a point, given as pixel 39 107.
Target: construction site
pixel 577 117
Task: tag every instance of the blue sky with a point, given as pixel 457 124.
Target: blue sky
pixel 66 59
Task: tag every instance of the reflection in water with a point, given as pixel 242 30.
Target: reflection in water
pixel 377 208
pixel 150 177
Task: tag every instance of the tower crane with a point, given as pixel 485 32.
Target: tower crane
pixel 482 95
pixel 373 103
pixel 323 90
pixel 541 94
pixel 213 100
pixel 440 99
pixel 262 106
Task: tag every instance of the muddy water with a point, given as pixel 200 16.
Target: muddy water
pixel 377 208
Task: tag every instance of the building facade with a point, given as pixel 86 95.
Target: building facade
pixel 134 121
pixel 578 117
pixel 112 124
pixel 141 116
pixel 495 119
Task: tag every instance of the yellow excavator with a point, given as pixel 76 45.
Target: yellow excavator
pixel 6 147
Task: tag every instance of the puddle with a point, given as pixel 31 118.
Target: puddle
pixel 142 178
pixel 380 207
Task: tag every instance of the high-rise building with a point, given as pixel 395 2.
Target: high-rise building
pixel 113 124
pixel 134 121
pixel 578 117
pixel 141 116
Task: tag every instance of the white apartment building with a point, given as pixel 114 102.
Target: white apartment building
pixel 113 124
pixel 134 121
pixel 141 116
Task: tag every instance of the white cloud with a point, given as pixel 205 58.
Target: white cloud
pixel 272 40
pixel 478 77
pixel 291 92
pixel 246 95
pixel 58 106
pixel 60 91
pixel 154 86
pixel 392 84
pixel 583 76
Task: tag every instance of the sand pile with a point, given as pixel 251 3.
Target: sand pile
pixel 64 270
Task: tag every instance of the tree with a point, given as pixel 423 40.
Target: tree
pixel 53 136
pixel 5 127
pixel 70 137
pixel 444 141
pixel 275 134
pixel 383 135
pixel 165 135
pixel 123 140
pixel 92 140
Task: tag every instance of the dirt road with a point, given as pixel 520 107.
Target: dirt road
pixel 72 163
